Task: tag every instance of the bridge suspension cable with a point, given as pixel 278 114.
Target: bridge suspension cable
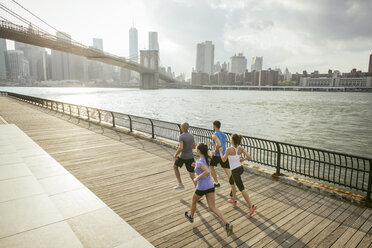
pixel 22 19
pixel 34 15
pixel 29 22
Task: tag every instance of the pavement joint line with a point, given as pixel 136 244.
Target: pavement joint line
pixel 3 120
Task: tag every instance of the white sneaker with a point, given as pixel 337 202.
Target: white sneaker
pixel 179 187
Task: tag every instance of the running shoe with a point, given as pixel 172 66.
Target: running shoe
pixel 251 209
pixel 217 185
pixel 189 218
pixel 231 200
pixel 231 193
pixel 229 229
pixel 179 187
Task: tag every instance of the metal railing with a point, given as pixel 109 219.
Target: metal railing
pixel 354 172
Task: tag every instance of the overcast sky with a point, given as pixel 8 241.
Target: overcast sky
pixel 298 34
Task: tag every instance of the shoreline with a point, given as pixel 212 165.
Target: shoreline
pixel 222 87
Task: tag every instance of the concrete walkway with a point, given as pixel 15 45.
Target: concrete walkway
pixel 134 177
pixel 43 205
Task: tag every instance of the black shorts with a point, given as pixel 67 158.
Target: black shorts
pixel 217 160
pixel 188 162
pixel 236 177
pixel 204 192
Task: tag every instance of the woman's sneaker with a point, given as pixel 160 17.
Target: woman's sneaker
pixel 217 185
pixel 231 193
pixel 189 218
pixel 229 229
pixel 231 200
pixel 251 209
pixel 179 187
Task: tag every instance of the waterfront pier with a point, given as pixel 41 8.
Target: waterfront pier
pixel 133 177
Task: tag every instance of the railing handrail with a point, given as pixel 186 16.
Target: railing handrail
pixel 342 169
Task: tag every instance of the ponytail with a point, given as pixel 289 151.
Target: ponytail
pixel 236 138
pixel 203 148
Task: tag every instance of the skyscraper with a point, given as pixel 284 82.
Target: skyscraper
pixel 60 60
pixel 98 43
pixel 153 41
pixel 36 57
pixel 2 60
pixel 238 64
pixel 370 64
pixel 133 44
pixel 205 57
pixel 256 64
pixel 17 66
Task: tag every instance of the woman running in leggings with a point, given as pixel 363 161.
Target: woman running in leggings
pixel 234 155
pixel 205 187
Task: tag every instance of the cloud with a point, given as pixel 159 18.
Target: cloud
pixel 298 34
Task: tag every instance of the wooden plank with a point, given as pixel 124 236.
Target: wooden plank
pixel 271 211
pixel 267 236
pixel 341 228
pixel 355 225
pixel 363 237
pixel 336 209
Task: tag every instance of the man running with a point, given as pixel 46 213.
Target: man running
pixel 185 147
pixel 219 140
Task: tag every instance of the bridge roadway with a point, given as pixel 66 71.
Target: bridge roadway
pixel 134 177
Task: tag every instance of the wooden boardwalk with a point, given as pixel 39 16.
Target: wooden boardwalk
pixel 135 178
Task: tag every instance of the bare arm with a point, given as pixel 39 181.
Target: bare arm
pixel 179 149
pixel 218 143
pixel 205 172
pixel 224 156
pixel 246 155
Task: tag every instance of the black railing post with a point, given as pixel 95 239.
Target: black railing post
pixel 152 129
pixel 278 158
pixel 99 116
pixel 179 126
pixel 113 119
pixel 69 106
pixel 78 112
pixel 88 113
pixel 369 182
pixel 130 124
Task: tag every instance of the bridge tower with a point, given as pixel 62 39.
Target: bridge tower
pixel 150 59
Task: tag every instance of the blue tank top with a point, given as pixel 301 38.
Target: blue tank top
pixel 221 136
pixel 206 182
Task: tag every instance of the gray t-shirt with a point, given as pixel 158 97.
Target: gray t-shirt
pixel 188 140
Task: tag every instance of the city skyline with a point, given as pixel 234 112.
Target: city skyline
pixel 305 37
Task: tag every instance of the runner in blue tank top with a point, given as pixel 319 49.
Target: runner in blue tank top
pixel 219 141
pixel 204 186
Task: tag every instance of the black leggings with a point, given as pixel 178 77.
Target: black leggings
pixel 236 178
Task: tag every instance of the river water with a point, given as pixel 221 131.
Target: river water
pixel 338 121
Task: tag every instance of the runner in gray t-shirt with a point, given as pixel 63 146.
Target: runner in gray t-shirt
pixel 184 155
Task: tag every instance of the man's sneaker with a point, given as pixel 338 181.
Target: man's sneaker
pixel 189 218
pixel 217 185
pixel 179 187
pixel 231 200
pixel 251 209
pixel 229 229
